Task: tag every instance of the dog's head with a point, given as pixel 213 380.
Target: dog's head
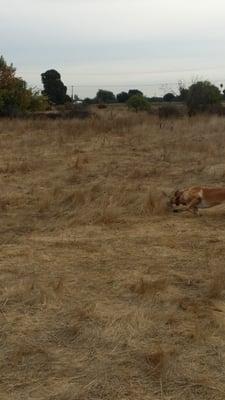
pixel 177 199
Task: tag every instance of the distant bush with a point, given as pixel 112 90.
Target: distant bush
pixel 122 97
pixel 155 99
pixel 104 96
pixel 169 97
pixel 38 102
pixel 87 101
pixel 169 111
pixel 134 92
pixel 67 111
pixel 78 112
pixel 138 103
pixel 183 92
pixel 217 109
pixel 102 106
pixel 202 96
pixel 15 97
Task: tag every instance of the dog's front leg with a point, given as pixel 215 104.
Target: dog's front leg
pixel 192 206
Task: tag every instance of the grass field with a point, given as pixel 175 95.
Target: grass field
pixel 104 293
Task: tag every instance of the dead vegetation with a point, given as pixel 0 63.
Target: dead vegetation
pixel 104 293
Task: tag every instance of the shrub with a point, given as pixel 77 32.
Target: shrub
pixel 169 97
pixel 105 96
pixel 122 97
pixel 169 111
pixel 138 103
pixel 134 92
pixel 38 102
pixel 202 96
pixel 87 101
pixel 15 97
pixel 217 109
pixel 183 92
pixel 155 99
pixel 102 106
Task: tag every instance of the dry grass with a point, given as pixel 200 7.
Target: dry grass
pixel 105 294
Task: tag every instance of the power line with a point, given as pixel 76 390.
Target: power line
pixel 116 85
pixel 154 71
pixel 122 85
pixel 136 84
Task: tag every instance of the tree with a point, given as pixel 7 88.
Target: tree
pixel 38 102
pixel 202 96
pixel 155 99
pixel 134 92
pixel 87 101
pixel 7 73
pixel 122 97
pixel 54 88
pixel 75 98
pixel 169 97
pixel 138 103
pixel 105 96
pixel 15 97
pixel 183 92
pixel 12 93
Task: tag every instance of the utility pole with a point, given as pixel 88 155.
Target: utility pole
pixel 72 91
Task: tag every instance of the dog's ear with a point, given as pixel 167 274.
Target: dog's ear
pixel 177 193
pixel 177 197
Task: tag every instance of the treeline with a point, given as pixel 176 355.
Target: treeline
pixel 17 99
pixel 200 97
pixel 107 97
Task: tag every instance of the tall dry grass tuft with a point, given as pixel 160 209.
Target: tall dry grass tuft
pixel 158 364
pixel 216 286
pixel 143 286
pixel 107 213
pixel 156 203
pixel 4 203
pixel 44 202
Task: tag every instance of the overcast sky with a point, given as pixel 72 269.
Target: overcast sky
pixel 115 44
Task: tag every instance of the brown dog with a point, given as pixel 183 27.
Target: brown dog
pixel 194 198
